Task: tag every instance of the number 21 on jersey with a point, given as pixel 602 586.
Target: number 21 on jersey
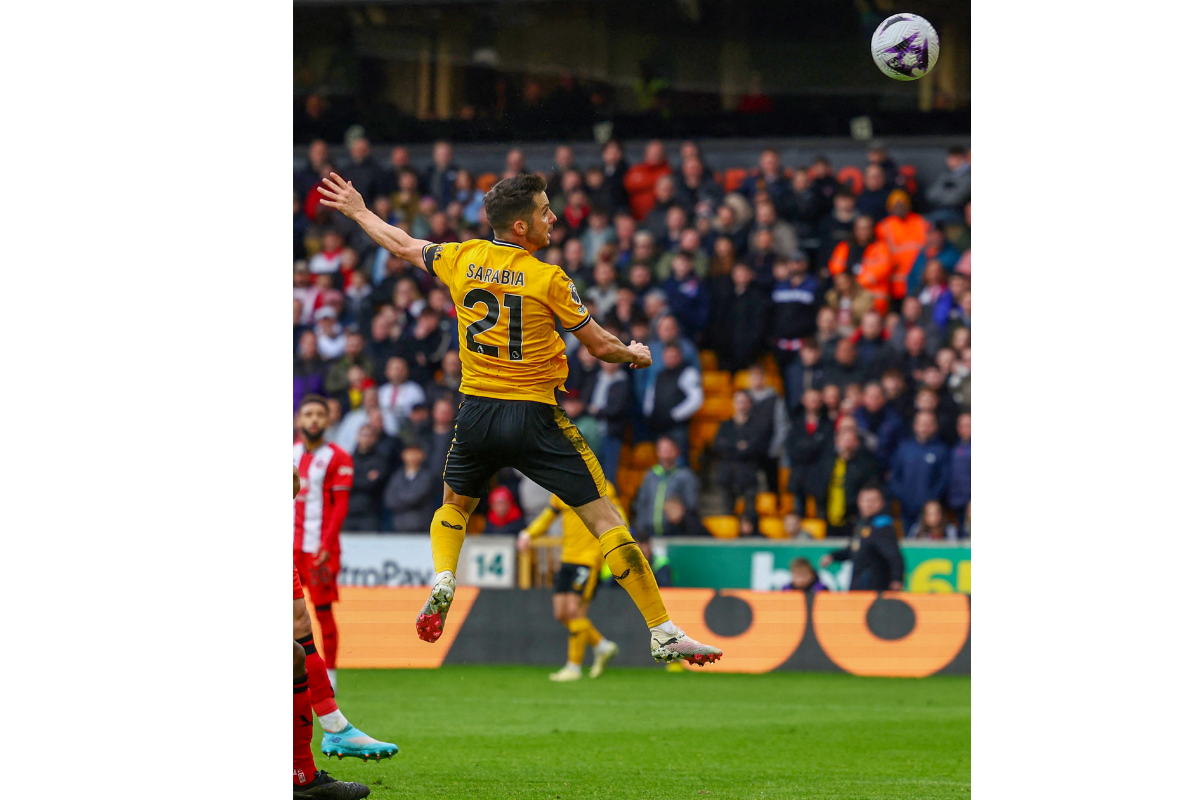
pixel 513 302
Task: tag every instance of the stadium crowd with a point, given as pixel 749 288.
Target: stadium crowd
pixel 810 336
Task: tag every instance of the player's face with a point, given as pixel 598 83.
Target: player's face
pixel 313 421
pixel 543 222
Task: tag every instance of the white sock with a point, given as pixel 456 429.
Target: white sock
pixel 602 645
pixel 669 628
pixel 443 574
pixel 334 721
pixel 332 673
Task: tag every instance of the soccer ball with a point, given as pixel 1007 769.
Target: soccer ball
pixel 905 47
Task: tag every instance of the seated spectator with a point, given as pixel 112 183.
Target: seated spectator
pixel 679 482
pixel 803 375
pixel 872 202
pixel 943 406
pixel 308 370
pixel 655 220
pixel 761 257
pixel 795 300
pixel 738 321
pixel 728 224
pixel 748 525
pixel 674 397
pixel 694 185
pixel 337 379
pixel 879 424
pixel 447 385
pixel 331 339
pixel 645 254
pixel 398 396
pixel 741 444
pixel 793 526
pixel 503 513
pixel 831 399
pixel 804 577
pixel 679 520
pixel 958 490
pixel 838 477
pixel 355 417
pixel 933 284
pixel 599 232
pixel 441 433
pixel 686 295
pixel 666 331
pixel 362 170
pixel 329 260
pixel 603 291
pixel 611 403
pixel 724 256
pixel 827 332
pixel 805 210
pixel 951 191
pixel 576 212
pixel 688 244
pixel 949 306
pixel 850 301
pixel 770 179
pixel 871 340
pixel 352 399
pixel 810 437
pixel 878 564
pixel 372 470
pixel 844 369
pixel 933 525
pixel 914 359
pixel 413 492
pixel 936 249
pixel 614 167
pixel 869 260
pixel 919 469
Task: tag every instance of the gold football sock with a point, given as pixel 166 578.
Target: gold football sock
pixel 592 635
pixel 629 567
pixel 446 534
pixel 577 642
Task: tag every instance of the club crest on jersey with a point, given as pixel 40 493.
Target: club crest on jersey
pixel 575 294
pixel 506 277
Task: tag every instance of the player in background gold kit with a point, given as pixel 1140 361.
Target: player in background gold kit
pixel 575 585
pixel 513 360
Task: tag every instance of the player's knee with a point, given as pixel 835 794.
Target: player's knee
pixel 297 659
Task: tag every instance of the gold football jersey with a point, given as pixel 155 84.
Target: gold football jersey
pixel 507 303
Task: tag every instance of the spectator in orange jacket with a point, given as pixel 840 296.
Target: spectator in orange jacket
pixel 641 178
pixel 905 234
pixel 868 260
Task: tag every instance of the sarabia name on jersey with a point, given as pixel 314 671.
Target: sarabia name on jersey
pixel 507 277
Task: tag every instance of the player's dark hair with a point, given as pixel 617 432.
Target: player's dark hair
pixel 512 199
pixel 314 398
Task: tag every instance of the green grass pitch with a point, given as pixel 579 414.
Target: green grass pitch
pixel 501 732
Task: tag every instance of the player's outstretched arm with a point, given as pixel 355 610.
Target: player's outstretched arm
pixel 606 347
pixel 340 194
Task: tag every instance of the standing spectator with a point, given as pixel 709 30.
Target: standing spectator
pixel 879 423
pixel 837 478
pixel 362 171
pixel 603 291
pixel 771 409
pixel 958 493
pixel 598 233
pixel 951 190
pixel 870 339
pixel 401 161
pixel 655 219
pixel 503 513
pixel 441 434
pixel 686 295
pixel 794 305
pixel 441 176
pixel 694 186
pixel 641 179
pixel 398 396
pixel 868 260
pixel 426 347
pixel 805 374
pixel 615 167
pixel 769 178
pixel 806 205
pixel 783 235
pixel 850 301
pixel 905 234
pixel 873 200
pixel 837 227
pixel 942 404
pixel 915 358
pixel 610 403
pixel 329 260
pixel 933 525
pixel 741 444
pixel 729 225
pixel 564 162
pixel 804 577
pixel 308 370
pixel 372 469
pixel 316 168
pixel 413 492
pixel 356 416
pixel 739 321
pixel 810 437
pixel 667 478
pixel 874 553
pixel 936 249
pixel 689 244
pixel 919 469
pixel 824 182
pixel 337 380
pixel 673 398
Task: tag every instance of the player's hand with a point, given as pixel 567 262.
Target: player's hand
pixel 341 194
pixel 825 561
pixel 641 355
pixel 322 557
pixel 523 539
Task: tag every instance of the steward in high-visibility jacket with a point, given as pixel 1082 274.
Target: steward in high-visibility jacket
pixel 869 260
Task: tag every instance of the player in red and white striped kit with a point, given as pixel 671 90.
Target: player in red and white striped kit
pixel 326 475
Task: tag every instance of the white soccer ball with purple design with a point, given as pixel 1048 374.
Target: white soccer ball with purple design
pixel 905 47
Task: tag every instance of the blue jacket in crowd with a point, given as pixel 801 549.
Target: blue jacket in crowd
pixel 959 492
pixel 919 474
pixel 880 432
